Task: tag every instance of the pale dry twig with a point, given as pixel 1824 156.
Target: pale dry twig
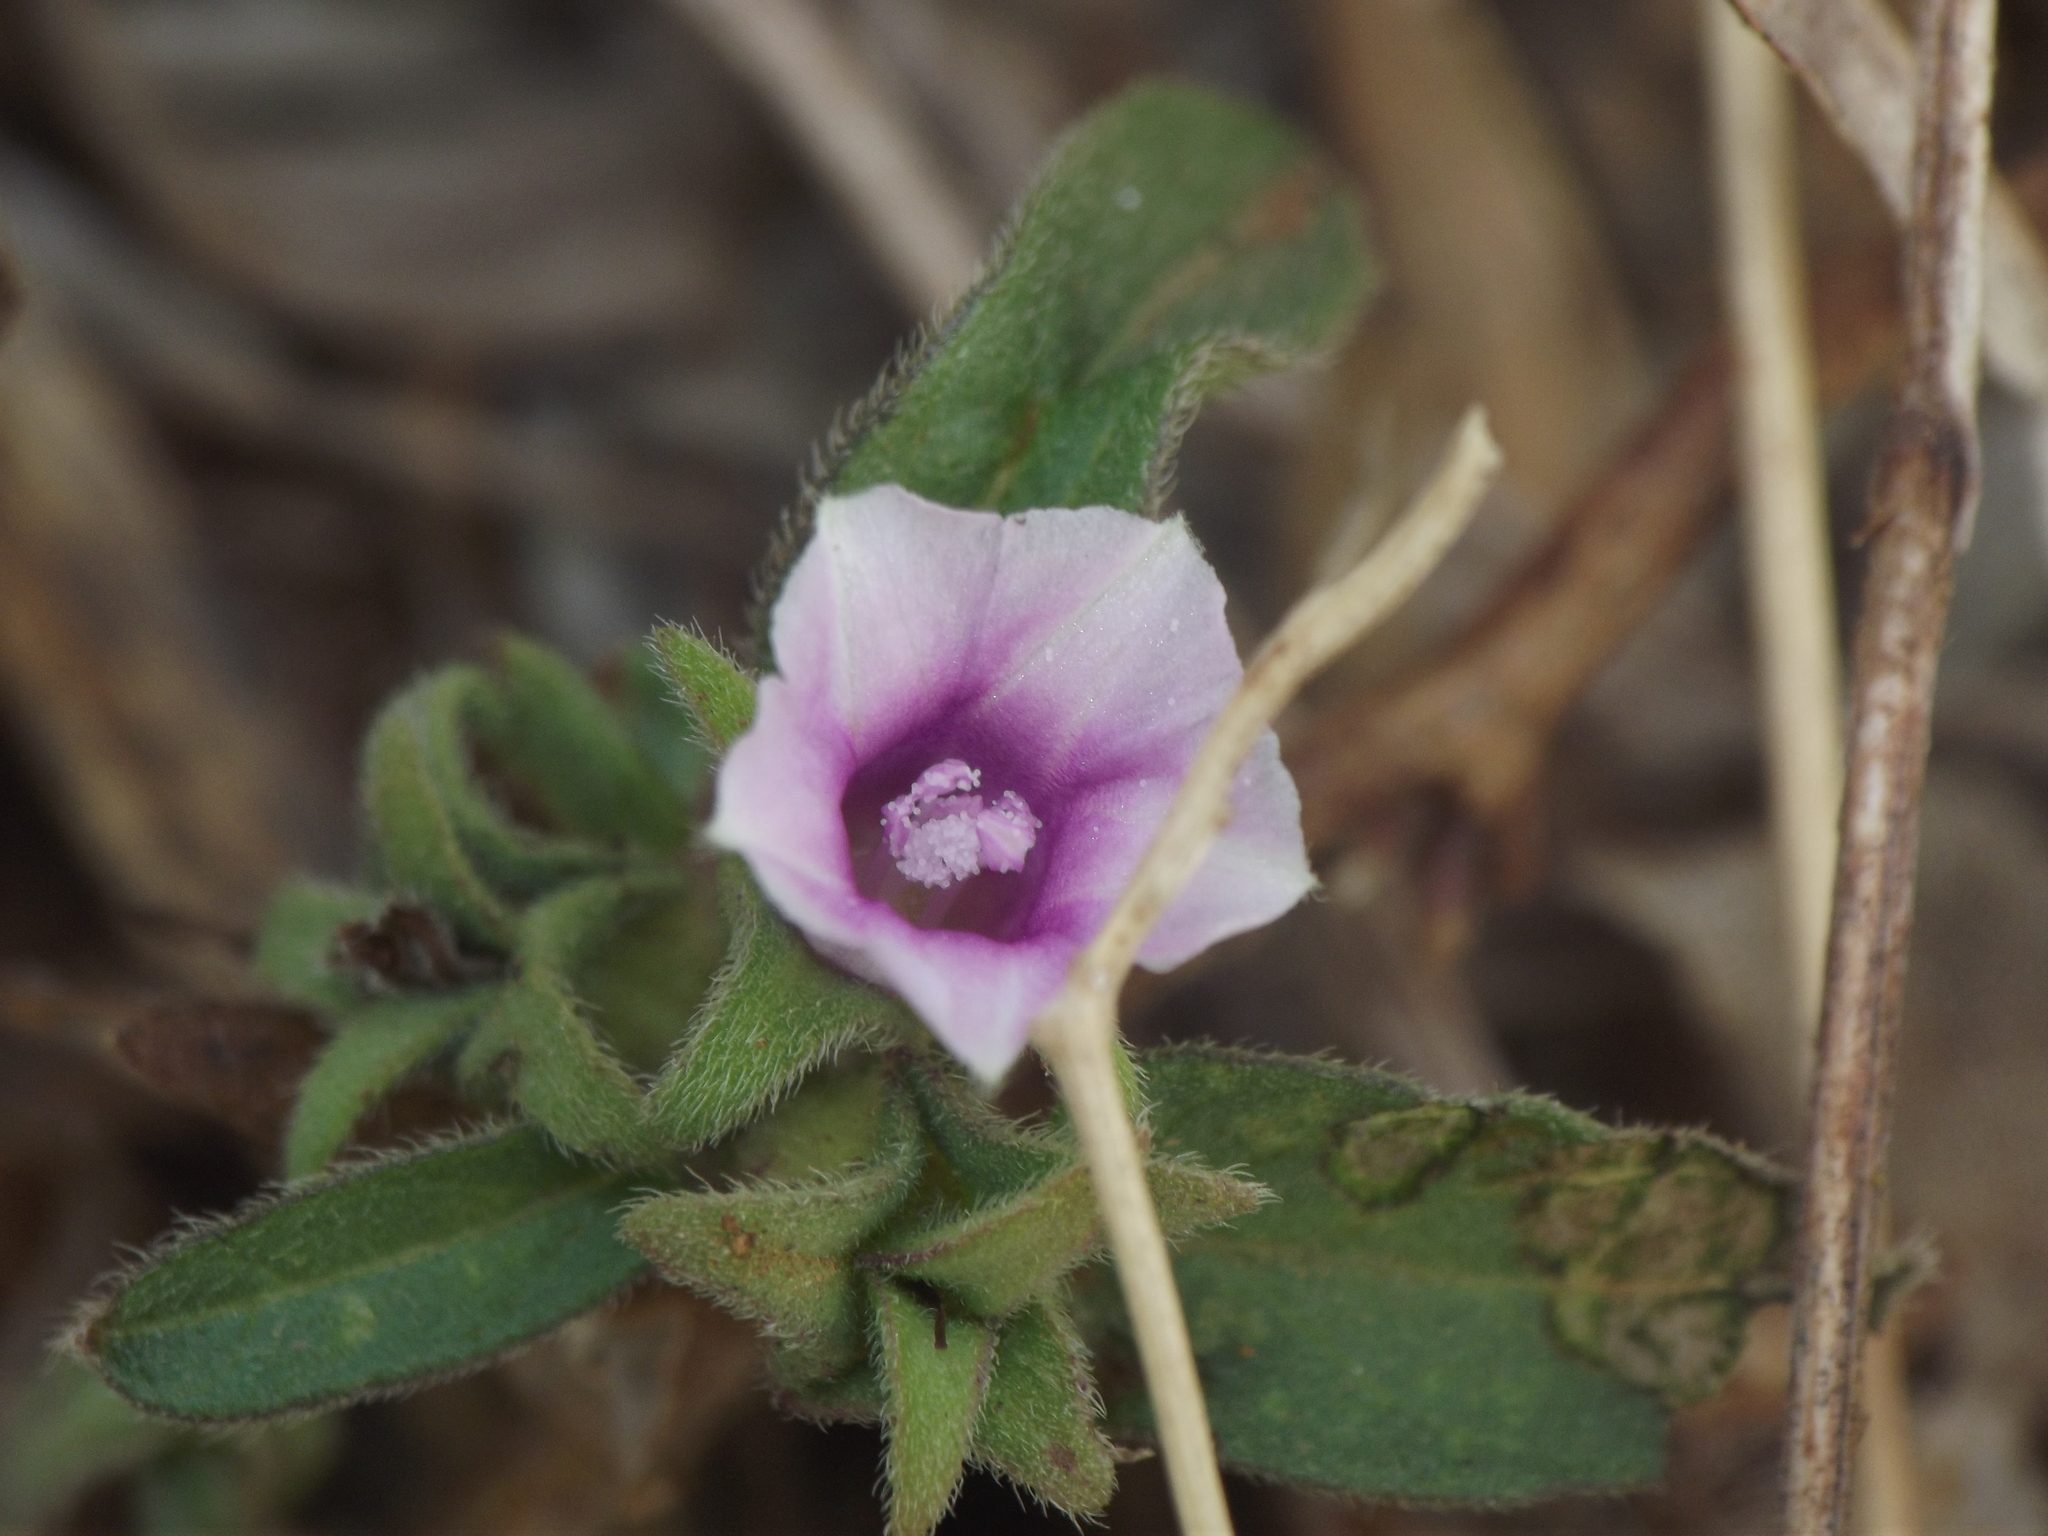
pixel 867 153
pixel 1783 490
pixel 1077 1031
pixel 1857 62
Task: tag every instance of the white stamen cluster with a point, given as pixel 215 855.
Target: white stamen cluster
pixel 941 831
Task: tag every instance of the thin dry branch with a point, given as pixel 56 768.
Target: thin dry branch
pixel 1857 61
pixel 867 153
pixel 1921 501
pixel 1077 1031
pixel 1792 600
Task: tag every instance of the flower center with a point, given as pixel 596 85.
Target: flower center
pixel 941 831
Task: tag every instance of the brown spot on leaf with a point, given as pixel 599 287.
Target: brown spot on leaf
pixel 1385 1158
pixel 1285 209
pixel 1658 1240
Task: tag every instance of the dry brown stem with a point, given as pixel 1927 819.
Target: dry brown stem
pixel 1921 501
pixel 1477 724
pixel 1480 720
pixel 1077 1031
pixel 866 152
pixel 1857 61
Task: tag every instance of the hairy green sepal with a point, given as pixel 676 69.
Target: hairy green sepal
pixel 886 1202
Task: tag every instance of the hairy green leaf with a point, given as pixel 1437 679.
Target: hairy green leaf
pixel 563 1074
pixel 365 1282
pixel 774 1013
pixel 295 950
pixel 439 833
pixel 415 771
pixel 574 751
pixel 934 1370
pixel 1177 241
pixel 1452 1303
pixel 719 696
pixel 780 1254
pixel 379 1046
pixel 994 1156
pixel 1039 1425
pixel 644 981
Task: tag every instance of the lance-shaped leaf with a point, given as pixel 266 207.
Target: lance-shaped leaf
pixel 1040 1423
pixel 645 981
pixel 378 1047
pixel 718 695
pixel 996 1257
pixel 547 724
pixel 564 1075
pixel 415 771
pixel 436 834
pixel 775 1012
pixel 935 1371
pixel 366 1282
pixel 1481 1303
pixel 1176 241
pixel 295 950
pixel 781 1254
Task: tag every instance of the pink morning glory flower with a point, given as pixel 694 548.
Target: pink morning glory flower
pixel 974 727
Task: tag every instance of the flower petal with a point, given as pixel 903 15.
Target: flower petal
pixel 978 995
pixel 1257 870
pixel 1084 652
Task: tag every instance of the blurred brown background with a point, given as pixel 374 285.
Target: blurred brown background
pixel 355 331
